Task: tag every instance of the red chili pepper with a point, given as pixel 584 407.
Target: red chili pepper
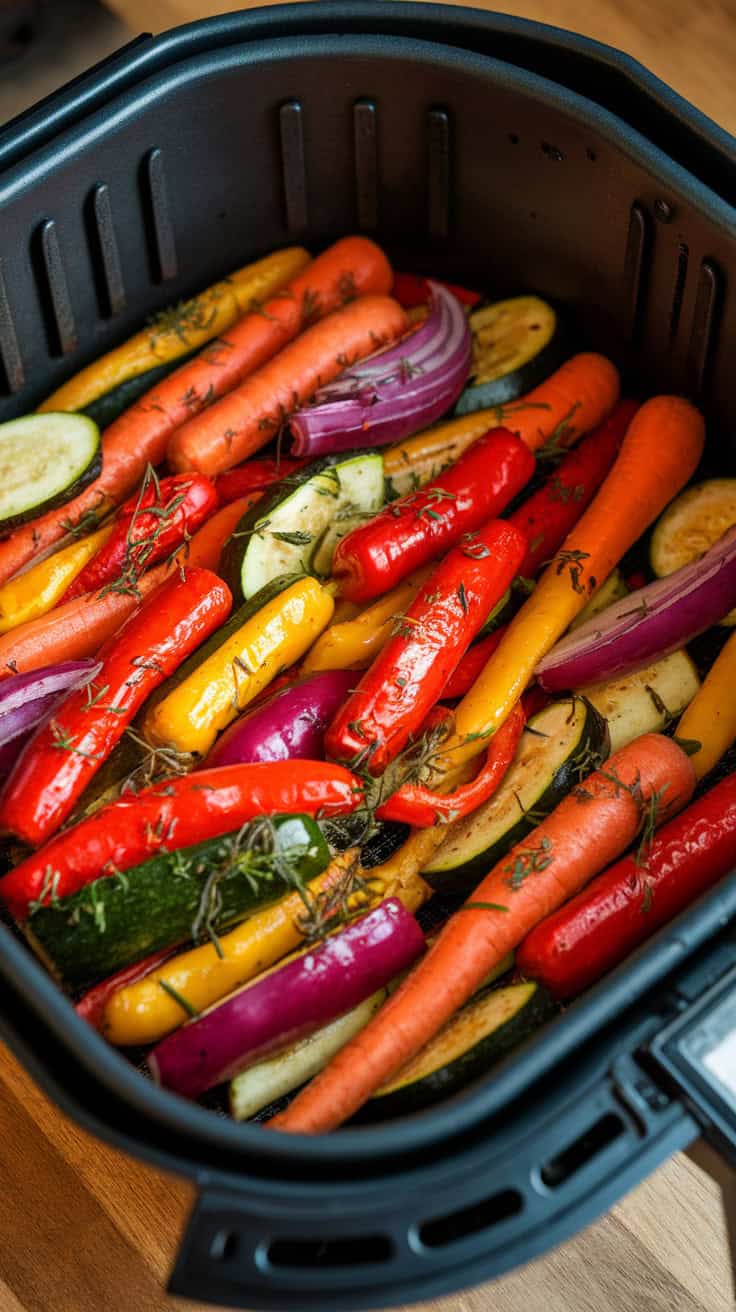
pixel 92 1006
pixel 625 905
pixel 173 814
pixel 254 475
pixel 147 529
pixel 66 751
pixel 636 580
pixel 547 516
pixel 469 667
pixel 414 804
pixel 410 289
pixel 423 525
pixel 408 676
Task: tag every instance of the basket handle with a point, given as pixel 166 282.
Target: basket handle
pixel 582 1146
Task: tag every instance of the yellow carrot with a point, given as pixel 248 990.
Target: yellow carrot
pixel 147 1010
pixel 352 643
pixel 710 719
pixel 210 697
pixel 181 329
pixel 37 591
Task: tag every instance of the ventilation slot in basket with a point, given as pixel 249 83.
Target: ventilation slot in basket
pixel 57 301
pixel 703 332
pixel 438 125
pixel 560 1168
pixel 678 292
pixel 636 270
pixel 470 1220
pixel 9 349
pixel 365 133
pixel 291 123
pixel 158 217
pixel 105 244
pixel 353 1250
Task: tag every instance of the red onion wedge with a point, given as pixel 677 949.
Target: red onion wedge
pixel 395 393
pixel 309 991
pixel 289 724
pixel 648 624
pixel 25 699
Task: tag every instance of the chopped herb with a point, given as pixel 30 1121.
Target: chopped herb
pixel 572 561
pixel 183 1002
pixel 690 746
pixel 295 539
pixel 463 598
pixel 483 906
pixel 529 861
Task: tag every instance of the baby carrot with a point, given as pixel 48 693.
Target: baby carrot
pixel 648 780
pixel 350 268
pixel 252 413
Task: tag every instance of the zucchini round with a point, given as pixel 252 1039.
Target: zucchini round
pixel 45 461
pixel 517 343
pixel 297 526
pixel 482 1032
pixel 559 746
pixel 691 525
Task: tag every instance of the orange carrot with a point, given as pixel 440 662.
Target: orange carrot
pixel 646 782
pixel 352 267
pixel 79 627
pixel 659 454
pixel 238 424
pixel 567 404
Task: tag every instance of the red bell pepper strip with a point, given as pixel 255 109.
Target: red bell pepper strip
pixel 66 751
pixel 625 905
pixel 411 289
pixel 469 667
pixel 92 1006
pixel 172 814
pixel 548 515
pixel 151 525
pixel 417 805
pixel 394 696
pixel 254 475
pixel 421 526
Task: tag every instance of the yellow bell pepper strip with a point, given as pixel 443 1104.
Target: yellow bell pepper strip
pixel 147 1010
pixel 181 329
pixel 37 591
pixel 191 716
pixel 353 643
pixel 634 493
pixel 710 719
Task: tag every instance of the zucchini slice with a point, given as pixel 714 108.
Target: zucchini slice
pixel 559 745
pixel 120 918
pixel 298 525
pixel 645 701
pixel 45 460
pixel 691 525
pixel 268 1080
pixel 482 1032
pixel 516 345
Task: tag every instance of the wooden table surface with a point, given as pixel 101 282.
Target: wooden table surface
pixel 85 1229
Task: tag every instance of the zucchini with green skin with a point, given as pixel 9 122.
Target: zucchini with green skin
pixel 484 1030
pixel 691 525
pixel 517 343
pixel 175 897
pixel 559 746
pixel 297 525
pixel 276 1076
pixel 45 461
pixel 107 407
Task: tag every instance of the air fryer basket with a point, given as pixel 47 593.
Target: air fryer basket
pixel 490 150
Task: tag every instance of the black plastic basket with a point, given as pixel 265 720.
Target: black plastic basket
pixel 488 149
